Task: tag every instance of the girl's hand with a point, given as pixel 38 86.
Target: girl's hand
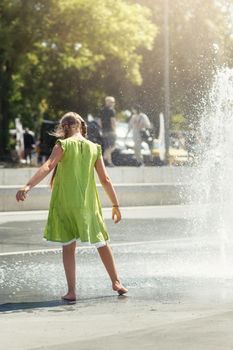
pixel 116 214
pixel 22 193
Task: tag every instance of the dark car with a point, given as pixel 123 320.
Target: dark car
pixel 94 132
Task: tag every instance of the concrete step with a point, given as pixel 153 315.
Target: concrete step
pixel 136 194
pixel 165 174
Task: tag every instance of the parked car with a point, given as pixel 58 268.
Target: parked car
pixel 94 132
pixel 124 154
pixel 177 154
pixel 155 152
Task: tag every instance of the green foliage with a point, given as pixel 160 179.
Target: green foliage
pixel 51 52
pixel 200 35
pixel 68 54
pixel 178 122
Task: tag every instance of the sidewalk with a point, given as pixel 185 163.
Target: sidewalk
pixel 123 325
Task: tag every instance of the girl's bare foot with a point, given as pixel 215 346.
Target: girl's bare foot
pixel 70 296
pixel 119 288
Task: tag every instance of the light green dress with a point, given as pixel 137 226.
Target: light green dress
pixel 75 210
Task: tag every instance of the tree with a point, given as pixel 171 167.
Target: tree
pixel 21 23
pixel 52 50
pixel 196 29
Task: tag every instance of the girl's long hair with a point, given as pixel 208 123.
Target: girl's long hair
pixel 62 131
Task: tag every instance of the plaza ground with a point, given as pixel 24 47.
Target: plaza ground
pixel 179 278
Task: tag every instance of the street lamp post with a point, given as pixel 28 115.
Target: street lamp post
pixel 166 77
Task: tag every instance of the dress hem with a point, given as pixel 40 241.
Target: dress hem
pixel 97 244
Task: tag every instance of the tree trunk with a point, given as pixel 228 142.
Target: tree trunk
pixel 4 130
pixel 5 89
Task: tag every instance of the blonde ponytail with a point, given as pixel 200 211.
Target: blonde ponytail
pixel 83 128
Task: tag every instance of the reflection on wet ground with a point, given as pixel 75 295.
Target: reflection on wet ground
pixel 158 260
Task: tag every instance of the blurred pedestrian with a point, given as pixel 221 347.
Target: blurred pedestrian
pixel 108 125
pixel 138 123
pixel 29 145
pixel 13 152
pixel 75 211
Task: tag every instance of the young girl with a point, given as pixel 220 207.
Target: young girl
pixel 75 211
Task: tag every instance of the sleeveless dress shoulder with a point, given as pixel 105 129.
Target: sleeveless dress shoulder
pixel 75 211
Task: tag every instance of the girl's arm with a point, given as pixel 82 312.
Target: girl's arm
pixel 41 173
pixel 109 189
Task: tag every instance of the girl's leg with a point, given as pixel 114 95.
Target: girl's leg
pixel 109 263
pixel 68 254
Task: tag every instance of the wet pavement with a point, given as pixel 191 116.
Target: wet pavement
pixel 177 276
